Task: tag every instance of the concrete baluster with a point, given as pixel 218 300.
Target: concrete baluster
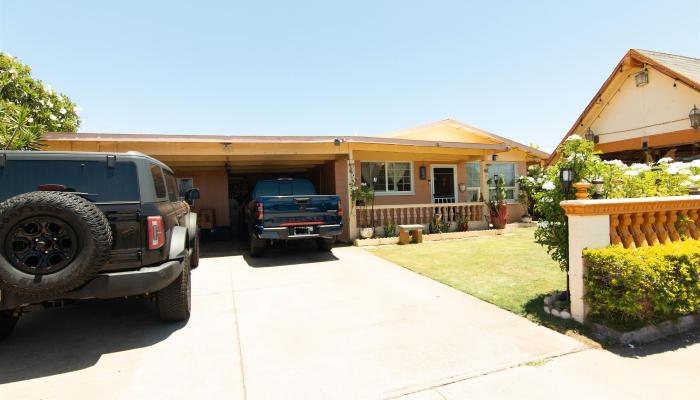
pixel 660 227
pixel 624 229
pixel 614 225
pixel 648 229
pixel 694 224
pixel 671 226
pixel 640 239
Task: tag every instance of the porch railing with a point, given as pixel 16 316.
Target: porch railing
pixel 444 199
pixel 421 213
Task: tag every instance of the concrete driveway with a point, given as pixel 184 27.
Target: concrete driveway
pixel 295 324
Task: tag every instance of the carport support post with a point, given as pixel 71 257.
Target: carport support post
pixel 344 174
pixel 585 231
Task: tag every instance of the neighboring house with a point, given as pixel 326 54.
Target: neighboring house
pixel 441 167
pixel 641 113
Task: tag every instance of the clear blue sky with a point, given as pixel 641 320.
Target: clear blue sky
pixel 522 70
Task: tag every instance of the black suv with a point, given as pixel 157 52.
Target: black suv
pixel 93 225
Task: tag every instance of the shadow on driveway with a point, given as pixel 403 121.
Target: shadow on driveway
pixel 55 341
pixel 279 254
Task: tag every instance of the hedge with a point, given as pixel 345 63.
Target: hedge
pixel 643 285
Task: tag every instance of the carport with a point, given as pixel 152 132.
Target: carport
pixel 225 168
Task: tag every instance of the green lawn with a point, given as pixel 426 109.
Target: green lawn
pixel 510 271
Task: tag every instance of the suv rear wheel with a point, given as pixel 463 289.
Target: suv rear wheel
pixel 51 242
pixel 175 300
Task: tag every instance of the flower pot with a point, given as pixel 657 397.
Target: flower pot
pixel 500 220
pixel 366 233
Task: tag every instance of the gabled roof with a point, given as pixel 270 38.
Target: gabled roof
pixel 492 137
pixel 682 68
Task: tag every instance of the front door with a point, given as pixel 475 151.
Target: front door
pixel 443 184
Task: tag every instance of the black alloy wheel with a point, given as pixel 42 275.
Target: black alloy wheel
pixel 41 245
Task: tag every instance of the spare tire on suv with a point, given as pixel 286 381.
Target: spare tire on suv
pixel 51 242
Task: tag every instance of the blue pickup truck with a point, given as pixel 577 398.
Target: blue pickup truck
pixel 290 209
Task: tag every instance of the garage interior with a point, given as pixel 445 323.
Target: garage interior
pixel 226 184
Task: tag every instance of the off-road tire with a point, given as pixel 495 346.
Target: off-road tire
pixel 325 244
pixel 175 300
pixel 8 320
pixel 256 246
pixel 194 260
pixel 92 231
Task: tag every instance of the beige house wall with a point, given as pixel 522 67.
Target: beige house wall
pixel 635 112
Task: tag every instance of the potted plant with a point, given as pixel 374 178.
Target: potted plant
pixel 498 210
pixel 363 196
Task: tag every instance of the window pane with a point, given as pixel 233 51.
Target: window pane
pixel 370 171
pixel 171 183
pixel 472 194
pixel 158 181
pixel 184 184
pixel 510 194
pixel 399 176
pixel 508 171
pixel 473 174
pixel 104 184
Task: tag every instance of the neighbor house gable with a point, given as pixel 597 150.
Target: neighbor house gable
pixel 661 106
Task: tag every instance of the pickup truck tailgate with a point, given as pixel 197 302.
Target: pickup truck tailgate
pixel 281 211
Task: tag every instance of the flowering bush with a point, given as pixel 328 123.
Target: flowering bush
pixel 28 107
pixel 528 186
pixel 664 178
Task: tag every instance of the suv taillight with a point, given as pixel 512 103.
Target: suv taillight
pixel 259 214
pixel 156 233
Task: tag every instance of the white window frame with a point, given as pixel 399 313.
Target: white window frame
pixel 515 177
pixel 481 178
pixel 386 179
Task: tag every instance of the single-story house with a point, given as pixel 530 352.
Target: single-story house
pixel 642 111
pixel 441 167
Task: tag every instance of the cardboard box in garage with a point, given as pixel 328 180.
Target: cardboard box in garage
pixel 206 218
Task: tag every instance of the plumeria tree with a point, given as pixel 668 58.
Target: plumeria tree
pixel 29 107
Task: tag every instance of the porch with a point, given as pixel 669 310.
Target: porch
pixel 472 213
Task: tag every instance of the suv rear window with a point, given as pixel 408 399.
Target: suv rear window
pixel 93 177
pixel 158 181
pixel 171 183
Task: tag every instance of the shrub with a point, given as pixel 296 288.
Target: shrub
pixel 647 284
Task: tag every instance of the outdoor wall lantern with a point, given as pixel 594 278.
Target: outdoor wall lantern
pixel 494 157
pixel 566 176
pixel 641 78
pixel 421 172
pixel 597 188
pixel 591 136
pixel 462 187
pixel 694 117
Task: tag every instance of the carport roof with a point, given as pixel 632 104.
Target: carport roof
pixel 178 138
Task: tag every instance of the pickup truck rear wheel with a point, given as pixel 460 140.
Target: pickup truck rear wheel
pixel 8 320
pixel 175 300
pixel 50 243
pixel 256 246
pixel 325 244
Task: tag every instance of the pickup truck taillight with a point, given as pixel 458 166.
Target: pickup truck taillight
pixel 156 233
pixel 340 209
pixel 259 214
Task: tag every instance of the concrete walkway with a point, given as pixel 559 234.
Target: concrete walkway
pixel 295 324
